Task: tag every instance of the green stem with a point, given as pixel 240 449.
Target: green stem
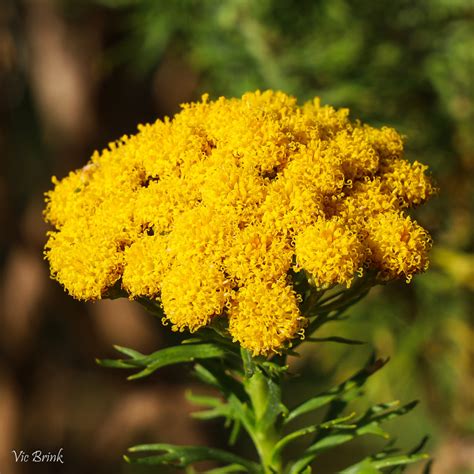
pixel 264 435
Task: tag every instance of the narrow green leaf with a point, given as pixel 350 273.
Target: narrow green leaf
pixel 369 423
pixel 329 441
pixel 374 429
pixel 363 467
pixel 179 354
pixel 400 460
pixel 203 400
pixel 234 434
pixel 340 340
pixel 182 456
pixel 354 382
pixel 214 373
pixel 227 469
pixel 115 363
pixel 384 412
pixel 336 422
pixel 211 414
pixel 311 405
pixel 291 437
pixel 370 465
pixel 129 352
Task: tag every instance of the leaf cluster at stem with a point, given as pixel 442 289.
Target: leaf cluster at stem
pixel 249 400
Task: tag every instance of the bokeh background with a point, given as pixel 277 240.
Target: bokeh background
pixel 75 75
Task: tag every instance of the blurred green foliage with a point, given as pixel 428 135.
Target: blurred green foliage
pixel 409 64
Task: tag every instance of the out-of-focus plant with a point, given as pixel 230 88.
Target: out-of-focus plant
pixel 250 223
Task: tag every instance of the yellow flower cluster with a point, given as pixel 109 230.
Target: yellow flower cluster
pixel 209 211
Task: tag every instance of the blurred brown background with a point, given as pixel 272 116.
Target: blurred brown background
pixel 75 75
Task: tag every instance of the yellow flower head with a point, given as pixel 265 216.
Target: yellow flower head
pixel 192 293
pixel 398 245
pixel 211 211
pixel 264 315
pixel 330 252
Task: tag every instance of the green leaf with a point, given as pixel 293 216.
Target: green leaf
pixel 183 456
pixel 232 412
pixel 115 364
pixel 177 355
pixel 340 340
pixel 129 352
pixel 234 434
pixel 203 400
pixel 353 383
pixel 371 466
pixel 364 467
pixel 164 357
pixel 216 375
pixel 237 407
pixel 400 460
pixel 384 412
pixel 222 412
pixel 218 407
pixel 369 423
pixel 227 469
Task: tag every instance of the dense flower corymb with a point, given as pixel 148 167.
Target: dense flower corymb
pixel 208 213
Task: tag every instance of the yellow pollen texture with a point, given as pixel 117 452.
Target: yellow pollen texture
pixel 210 212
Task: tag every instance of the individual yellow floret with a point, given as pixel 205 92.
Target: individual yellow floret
pixel 264 316
pixel 192 293
pixel 330 252
pixel 399 246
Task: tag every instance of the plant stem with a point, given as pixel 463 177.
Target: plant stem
pixel 265 435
